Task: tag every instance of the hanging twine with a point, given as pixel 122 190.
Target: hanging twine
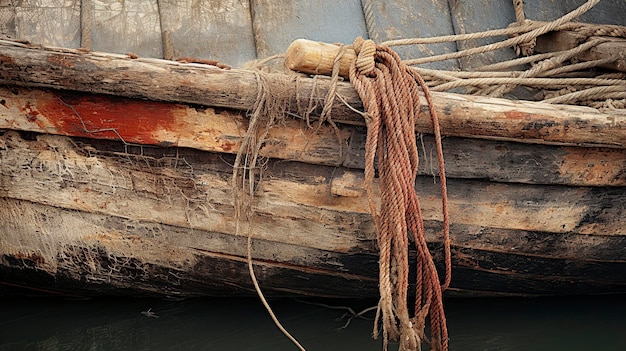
pixel 269 110
pixel 390 94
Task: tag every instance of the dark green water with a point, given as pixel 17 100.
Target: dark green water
pixel 586 323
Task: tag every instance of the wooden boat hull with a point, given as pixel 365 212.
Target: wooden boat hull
pixel 129 192
pixel 90 217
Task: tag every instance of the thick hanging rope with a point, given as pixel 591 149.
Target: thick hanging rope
pixel 390 94
pixel 389 91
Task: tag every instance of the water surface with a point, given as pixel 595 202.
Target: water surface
pixel 583 323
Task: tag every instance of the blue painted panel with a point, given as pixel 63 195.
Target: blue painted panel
pixel 227 31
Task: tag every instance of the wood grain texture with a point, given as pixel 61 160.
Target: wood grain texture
pixel 276 23
pixel 613 49
pixel 294 204
pixel 215 30
pixel 152 214
pixel 510 162
pixel 401 19
pixel 100 217
pixel 50 23
pixel 139 122
pixel 126 26
pixel 468 116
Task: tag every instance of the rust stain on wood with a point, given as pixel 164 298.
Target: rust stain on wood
pixel 25 259
pixel 60 60
pixel 594 166
pixel 6 60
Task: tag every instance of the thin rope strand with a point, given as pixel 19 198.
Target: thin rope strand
pixel 550 26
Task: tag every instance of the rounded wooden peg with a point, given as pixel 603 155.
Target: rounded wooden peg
pixel 315 57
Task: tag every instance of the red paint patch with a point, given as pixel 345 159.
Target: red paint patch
pixel 227 146
pixel 31 114
pixel 103 117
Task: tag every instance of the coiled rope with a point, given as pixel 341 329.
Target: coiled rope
pixel 390 93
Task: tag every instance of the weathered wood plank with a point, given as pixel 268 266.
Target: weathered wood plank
pixel 157 123
pixel 126 26
pixel 613 49
pixel 400 19
pixel 92 258
pixel 7 19
pixel 110 255
pixel 212 30
pixel 209 129
pixel 120 261
pixel 545 267
pixel 536 243
pixel 117 233
pixel 512 283
pixel 276 23
pixel 50 23
pixel 469 116
pixel 539 244
pixel 187 194
pixel 295 203
pixel 554 209
pixel 509 162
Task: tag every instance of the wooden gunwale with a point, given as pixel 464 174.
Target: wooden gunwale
pixel 160 80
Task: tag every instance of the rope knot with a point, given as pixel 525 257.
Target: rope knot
pixel 526 48
pixel 365 51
